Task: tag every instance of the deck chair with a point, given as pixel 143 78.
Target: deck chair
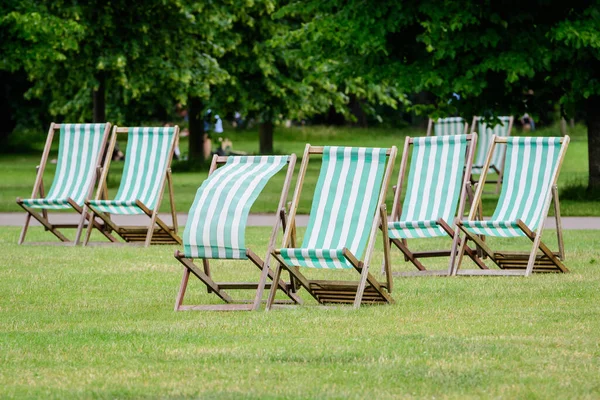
pixel 530 175
pixel 447 126
pixel 347 209
pixel 436 192
pixel 217 224
pixel 147 169
pixel 80 151
pixel 502 129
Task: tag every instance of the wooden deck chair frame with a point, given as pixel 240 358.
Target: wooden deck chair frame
pixel 498 169
pixel 219 288
pixel 517 263
pixel 157 231
pixel 377 290
pixel 402 244
pixel 38 192
pixel 430 130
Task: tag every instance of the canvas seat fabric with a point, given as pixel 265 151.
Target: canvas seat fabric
pixel 218 217
pixel 146 161
pixel 343 208
pixel 530 165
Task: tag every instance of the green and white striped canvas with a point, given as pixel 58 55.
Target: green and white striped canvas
pixel 530 164
pixel 343 207
pixel 485 141
pixel 146 161
pixel 217 221
pixel 449 126
pixel 434 187
pixel 78 152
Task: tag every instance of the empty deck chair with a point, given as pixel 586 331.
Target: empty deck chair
pixel 217 223
pixel 447 126
pixel 347 208
pixel 147 169
pixel 80 151
pixel 502 129
pixel 438 182
pixel 530 174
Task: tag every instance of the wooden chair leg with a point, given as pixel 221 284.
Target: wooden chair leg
pixel 24 230
pixel 184 281
pixel 206 266
pixel 273 291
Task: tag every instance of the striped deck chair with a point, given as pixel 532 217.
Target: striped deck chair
pixel 502 129
pixel 447 126
pixel 530 174
pixel 438 182
pixel 346 212
pixel 217 222
pixel 80 151
pixel 147 169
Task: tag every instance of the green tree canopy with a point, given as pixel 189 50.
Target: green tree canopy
pixel 492 53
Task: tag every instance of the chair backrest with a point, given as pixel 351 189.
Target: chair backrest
pixel 147 158
pixel 217 220
pixel 450 126
pixel 345 199
pixel 486 134
pixel 530 167
pixel 78 156
pixel 435 178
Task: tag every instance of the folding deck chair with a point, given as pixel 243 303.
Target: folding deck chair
pixel 447 126
pixel 147 169
pixel 503 129
pixel 80 151
pixel 438 182
pixel 217 224
pixel 530 175
pixel 347 209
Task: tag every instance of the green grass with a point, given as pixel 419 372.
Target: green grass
pixel 18 171
pixel 98 323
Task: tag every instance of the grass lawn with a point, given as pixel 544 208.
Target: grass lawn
pixel 98 323
pixel 18 171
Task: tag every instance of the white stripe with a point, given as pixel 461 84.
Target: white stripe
pixel 511 183
pixel 319 216
pixel 548 172
pixel 535 180
pixel 369 193
pixel 81 172
pixel 351 208
pixel 447 214
pixel 149 184
pixel 194 219
pixel 141 167
pixel 246 195
pixel 75 149
pixel 337 201
pixel 413 191
pixel 165 148
pixel 233 192
pixel 215 201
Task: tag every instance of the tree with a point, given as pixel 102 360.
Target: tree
pixel 84 54
pixel 271 79
pixel 501 57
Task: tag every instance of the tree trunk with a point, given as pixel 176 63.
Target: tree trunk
pixel 265 134
pixel 593 125
pixel 99 100
pixel 196 138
